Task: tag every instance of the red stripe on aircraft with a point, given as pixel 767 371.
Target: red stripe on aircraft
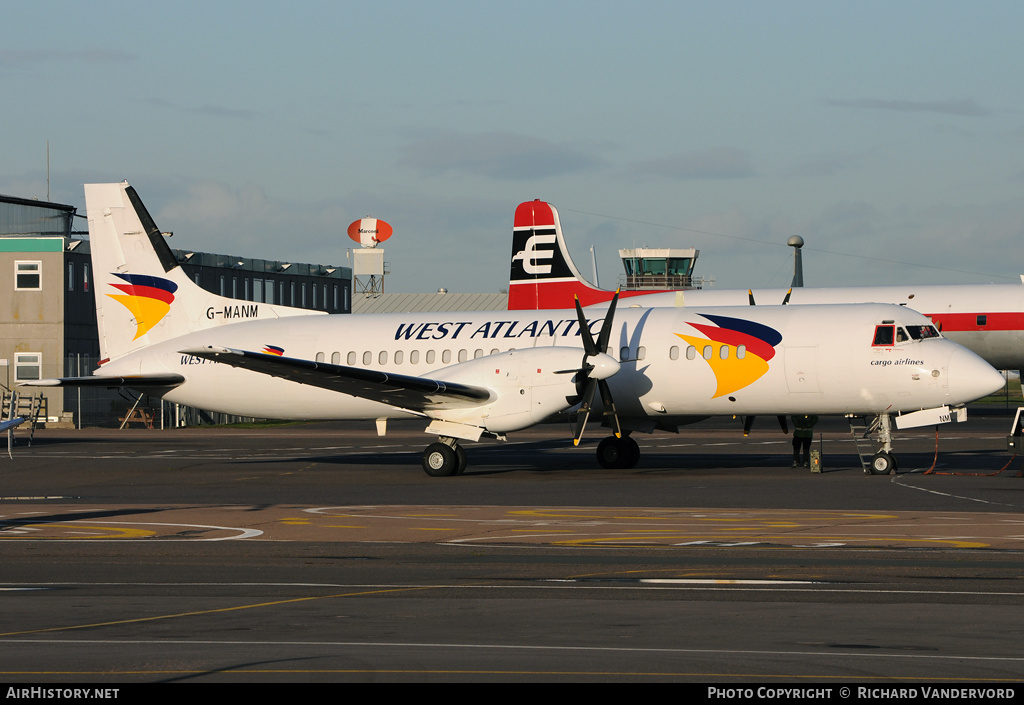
pixel 533 296
pixel 957 322
pixel 736 338
pixel 148 292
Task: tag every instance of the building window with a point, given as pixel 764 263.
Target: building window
pixel 223 286
pixel 85 277
pixel 28 276
pixel 71 276
pixel 28 366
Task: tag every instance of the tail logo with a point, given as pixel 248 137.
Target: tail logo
pixel 530 254
pixel 148 299
pixel 738 351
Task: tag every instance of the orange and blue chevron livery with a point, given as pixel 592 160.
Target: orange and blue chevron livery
pixel 148 298
pixel 748 348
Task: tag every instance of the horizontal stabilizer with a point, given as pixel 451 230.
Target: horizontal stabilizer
pixel 11 423
pixel 134 381
pixel 402 391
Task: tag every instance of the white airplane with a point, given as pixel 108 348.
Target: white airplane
pixel 986 318
pixel 491 373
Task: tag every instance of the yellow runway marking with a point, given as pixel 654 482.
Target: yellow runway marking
pixel 139 620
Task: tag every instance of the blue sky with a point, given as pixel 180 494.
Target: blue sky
pixel 890 136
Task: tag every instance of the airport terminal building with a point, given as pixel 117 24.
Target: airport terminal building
pixel 48 313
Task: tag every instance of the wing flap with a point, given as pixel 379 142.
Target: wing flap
pixel 402 391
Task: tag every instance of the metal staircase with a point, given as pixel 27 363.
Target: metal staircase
pixel 29 407
pixel 862 430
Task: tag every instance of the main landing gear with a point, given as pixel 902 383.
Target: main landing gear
pixel 620 453
pixel 445 458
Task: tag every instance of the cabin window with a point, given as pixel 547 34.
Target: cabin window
pixel 723 352
pixel 741 352
pixel 884 335
pixel 623 354
pixel 673 352
pixel 382 357
pixel 691 352
pixel 319 357
pixel 414 357
pixel 446 357
pixel 495 351
pixel 463 355
pixel 430 357
pixel 641 353
pixel 352 358
pixel 336 358
pixel 982 320
pixel 399 356
pixel 478 353
pixel 367 358
pixel 708 352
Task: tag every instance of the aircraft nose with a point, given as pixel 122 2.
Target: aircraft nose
pixel 970 377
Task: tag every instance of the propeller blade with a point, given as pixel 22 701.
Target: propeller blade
pixel 748 423
pixel 788 294
pixel 750 297
pixel 609 406
pixel 604 366
pixel 589 346
pixel 606 327
pixel 585 407
pixel 782 422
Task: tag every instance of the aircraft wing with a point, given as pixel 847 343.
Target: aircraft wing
pixel 402 391
pixel 135 381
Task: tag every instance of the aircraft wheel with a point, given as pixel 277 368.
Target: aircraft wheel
pixel 460 453
pixel 882 464
pixel 619 453
pixel 633 453
pixel 440 460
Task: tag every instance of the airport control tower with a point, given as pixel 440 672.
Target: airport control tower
pixel 659 269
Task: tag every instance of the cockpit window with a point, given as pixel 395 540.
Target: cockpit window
pixel 884 335
pixel 901 335
pixel 922 332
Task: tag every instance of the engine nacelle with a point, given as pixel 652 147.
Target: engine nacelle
pixel 528 386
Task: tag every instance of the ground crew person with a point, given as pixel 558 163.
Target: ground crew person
pixel 803 434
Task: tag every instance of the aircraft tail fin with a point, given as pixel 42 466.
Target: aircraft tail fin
pixel 542 274
pixel 142 294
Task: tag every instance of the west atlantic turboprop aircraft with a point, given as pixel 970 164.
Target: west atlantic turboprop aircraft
pixel 490 373
pixel 987 318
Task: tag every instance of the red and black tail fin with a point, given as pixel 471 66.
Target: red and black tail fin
pixel 542 275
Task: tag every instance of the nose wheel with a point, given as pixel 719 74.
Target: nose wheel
pixel 883 463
